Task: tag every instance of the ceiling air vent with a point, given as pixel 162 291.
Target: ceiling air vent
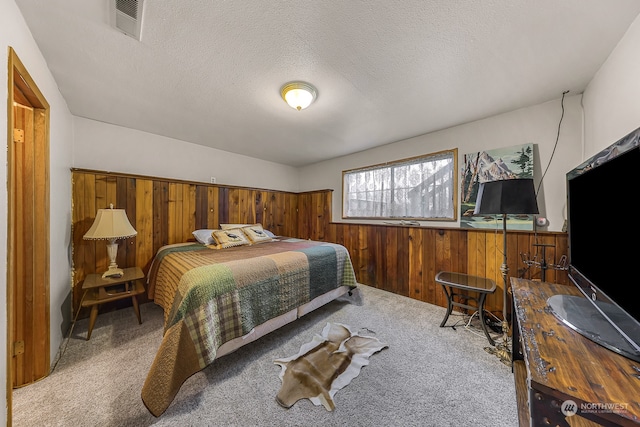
pixel 128 17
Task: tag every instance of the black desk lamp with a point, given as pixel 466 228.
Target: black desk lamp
pixel 503 197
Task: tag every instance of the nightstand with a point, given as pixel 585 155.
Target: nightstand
pixel 98 291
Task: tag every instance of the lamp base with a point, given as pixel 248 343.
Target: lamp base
pixel 502 352
pixel 502 349
pixel 113 272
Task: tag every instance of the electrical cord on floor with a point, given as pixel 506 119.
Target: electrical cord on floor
pixel 64 349
pixel 467 319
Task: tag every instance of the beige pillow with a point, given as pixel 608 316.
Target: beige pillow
pixel 256 234
pixel 229 226
pixel 228 238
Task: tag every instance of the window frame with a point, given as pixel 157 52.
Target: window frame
pixel 415 159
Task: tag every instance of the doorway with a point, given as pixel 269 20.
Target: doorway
pixel 28 320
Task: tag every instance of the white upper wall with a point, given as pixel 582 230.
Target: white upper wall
pixel 15 33
pixel 107 147
pixel 612 98
pixel 537 125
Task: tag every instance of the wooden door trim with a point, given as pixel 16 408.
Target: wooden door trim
pixel 21 89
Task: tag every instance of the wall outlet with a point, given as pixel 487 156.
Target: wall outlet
pixel 213 179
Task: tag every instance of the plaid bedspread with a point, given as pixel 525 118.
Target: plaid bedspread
pixel 210 296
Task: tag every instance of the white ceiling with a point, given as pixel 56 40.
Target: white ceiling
pixel 209 72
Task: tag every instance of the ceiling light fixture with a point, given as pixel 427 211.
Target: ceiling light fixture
pixel 298 95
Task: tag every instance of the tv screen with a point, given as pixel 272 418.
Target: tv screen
pixel 603 248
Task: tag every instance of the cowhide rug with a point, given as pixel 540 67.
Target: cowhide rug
pixel 325 365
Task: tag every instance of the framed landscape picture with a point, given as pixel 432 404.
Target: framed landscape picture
pixel 491 165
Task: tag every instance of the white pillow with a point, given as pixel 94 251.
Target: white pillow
pixel 204 236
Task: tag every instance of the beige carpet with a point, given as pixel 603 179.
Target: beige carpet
pixel 428 376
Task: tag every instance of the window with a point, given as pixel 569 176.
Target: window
pixel 420 188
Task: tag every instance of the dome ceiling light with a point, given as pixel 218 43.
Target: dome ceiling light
pixel 298 95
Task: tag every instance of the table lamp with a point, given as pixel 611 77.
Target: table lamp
pixel 503 197
pixel 111 224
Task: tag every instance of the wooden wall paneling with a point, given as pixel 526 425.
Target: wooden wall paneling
pixel 377 254
pixel 223 207
pixel 390 251
pixel 126 199
pixel 202 207
pixel 212 208
pixel 77 253
pixel 327 203
pixel 304 213
pixel 144 222
pixel 473 251
pixel 525 249
pixel 101 262
pixel 458 253
pixel 160 214
pixel 234 206
pixel 182 210
pixel 479 244
pixel 111 192
pixel 562 248
pixel 439 245
pixel 270 213
pixel 189 212
pixel 432 264
pixel 258 199
pixel 269 219
pixel 110 198
pixel 323 204
pixel 393 259
pixel 337 233
pixel 403 260
pixel 284 212
pixel 281 209
pixel 172 203
pixel 358 239
pixel 417 286
pixel 320 214
pixel 441 259
pixel 331 232
pixel 364 248
pixel 248 206
pixel 175 211
pixel 550 256
pixel 291 215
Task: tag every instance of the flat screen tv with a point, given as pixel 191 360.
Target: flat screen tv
pixel 604 242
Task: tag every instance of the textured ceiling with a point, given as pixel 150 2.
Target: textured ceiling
pixel 209 72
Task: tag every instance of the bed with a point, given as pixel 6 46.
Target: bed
pixel 216 299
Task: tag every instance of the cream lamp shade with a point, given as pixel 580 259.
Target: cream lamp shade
pixel 111 224
pixel 298 95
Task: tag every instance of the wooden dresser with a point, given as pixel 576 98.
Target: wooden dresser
pixel 555 367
